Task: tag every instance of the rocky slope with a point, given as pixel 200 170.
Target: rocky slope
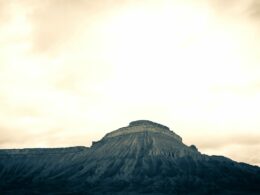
pixel 142 158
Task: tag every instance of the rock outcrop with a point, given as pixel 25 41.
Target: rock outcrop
pixel 141 126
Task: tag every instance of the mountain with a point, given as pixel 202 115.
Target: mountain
pixel 142 158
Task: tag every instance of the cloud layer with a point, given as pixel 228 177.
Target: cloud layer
pixel 73 70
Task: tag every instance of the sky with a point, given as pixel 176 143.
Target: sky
pixel 73 70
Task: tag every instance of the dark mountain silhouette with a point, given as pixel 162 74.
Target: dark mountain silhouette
pixel 142 158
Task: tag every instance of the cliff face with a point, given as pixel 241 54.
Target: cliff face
pixel 144 126
pixel 144 157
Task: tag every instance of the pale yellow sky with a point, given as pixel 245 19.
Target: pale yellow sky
pixel 73 70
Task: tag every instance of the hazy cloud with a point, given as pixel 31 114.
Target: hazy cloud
pixel 249 9
pixel 242 150
pixel 226 140
pixel 239 147
pixel 72 70
pixel 57 23
pixel 4 15
pixel 254 9
pixel 248 89
pixel 54 23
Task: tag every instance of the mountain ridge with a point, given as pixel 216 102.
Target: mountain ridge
pixel 142 158
pixel 143 126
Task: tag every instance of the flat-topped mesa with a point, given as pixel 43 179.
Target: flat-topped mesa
pixel 147 123
pixel 141 126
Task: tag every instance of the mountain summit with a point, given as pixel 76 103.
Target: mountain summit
pixel 142 126
pixel 142 158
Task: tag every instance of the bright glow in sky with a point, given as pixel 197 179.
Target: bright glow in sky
pixel 72 71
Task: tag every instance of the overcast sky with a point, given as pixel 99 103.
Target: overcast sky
pixel 73 70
